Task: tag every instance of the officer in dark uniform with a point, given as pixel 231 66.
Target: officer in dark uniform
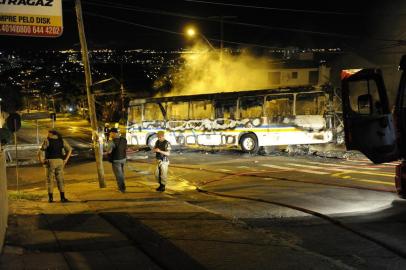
pixel 55 160
pixel 162 149
pixel 117 155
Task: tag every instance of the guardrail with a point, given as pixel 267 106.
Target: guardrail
pixel 3 199
pixel 27 154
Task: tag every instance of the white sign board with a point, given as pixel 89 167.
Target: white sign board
pixel 36 18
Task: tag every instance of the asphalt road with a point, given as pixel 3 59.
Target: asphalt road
pixel 344 209
pixel 320 204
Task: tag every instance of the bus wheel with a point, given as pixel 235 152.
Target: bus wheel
pixel 152 140
pixel 249 143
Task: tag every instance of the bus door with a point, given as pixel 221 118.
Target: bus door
pixel 368 122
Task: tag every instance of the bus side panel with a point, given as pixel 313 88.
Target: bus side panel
pixel 136 137
pixel 293 136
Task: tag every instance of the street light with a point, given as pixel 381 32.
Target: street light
pixel 191 32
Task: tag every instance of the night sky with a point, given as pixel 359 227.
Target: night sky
pixel 277 24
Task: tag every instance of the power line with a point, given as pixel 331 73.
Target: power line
pixel 275 9
pixel 134 24
pixel 147 10
pixel 158 12
pixel 284 29
pixel 174 32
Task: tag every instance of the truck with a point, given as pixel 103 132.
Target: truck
pixel 371 126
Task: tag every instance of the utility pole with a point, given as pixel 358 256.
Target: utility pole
pixel 90 99
pixel 221 38
pixel 221 18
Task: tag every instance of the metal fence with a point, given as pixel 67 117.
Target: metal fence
pixel 25 154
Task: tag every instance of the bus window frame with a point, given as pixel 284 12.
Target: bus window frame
pixel 316 95
pixel 236 113
pixel 142 110
pixel 239 105
pixel 281 94
pixel 208 101
pixel 160 108
pixel 165 107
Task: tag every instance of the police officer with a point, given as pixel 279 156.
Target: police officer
pixel 117 155
pixel 55 160
pixel 162 149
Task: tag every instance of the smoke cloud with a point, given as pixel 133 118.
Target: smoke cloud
pixel 205 71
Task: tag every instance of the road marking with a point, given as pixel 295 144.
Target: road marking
pixel 293 169
pixel 316 167
pixel 348 177
pixel 358 161
pixel 341 165
pixel 386 164
pixel 342 171
pixel 224 170
pixel 391 163
pixel 390 175
pixel 372 181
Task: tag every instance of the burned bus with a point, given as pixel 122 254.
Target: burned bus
pixel 245 119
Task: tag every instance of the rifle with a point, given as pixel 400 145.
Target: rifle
pixel 145 149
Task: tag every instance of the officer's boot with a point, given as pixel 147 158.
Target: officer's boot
pixel 63 199
pixel 50 197
pixel 161 188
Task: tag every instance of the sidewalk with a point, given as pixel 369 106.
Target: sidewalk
pixel 141 229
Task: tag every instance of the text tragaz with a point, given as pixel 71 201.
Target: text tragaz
pixel 44 3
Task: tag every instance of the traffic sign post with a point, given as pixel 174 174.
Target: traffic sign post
pixel 35 18
pixel 15 141
pixel 13 122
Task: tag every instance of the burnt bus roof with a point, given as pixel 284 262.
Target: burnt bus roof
pixel 226 95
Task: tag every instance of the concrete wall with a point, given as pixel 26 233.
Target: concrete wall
pixel 3 199
pixel 285 77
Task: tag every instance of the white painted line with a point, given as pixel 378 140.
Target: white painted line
pixel 293 169
pixel 344 171
pixel 339 165
pixel 391 163
pixel 370 163
pixel 372 181
pixel 224 170
pixel 359 161
pixel 316 167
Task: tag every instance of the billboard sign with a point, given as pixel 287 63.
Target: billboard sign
pixel 35 18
